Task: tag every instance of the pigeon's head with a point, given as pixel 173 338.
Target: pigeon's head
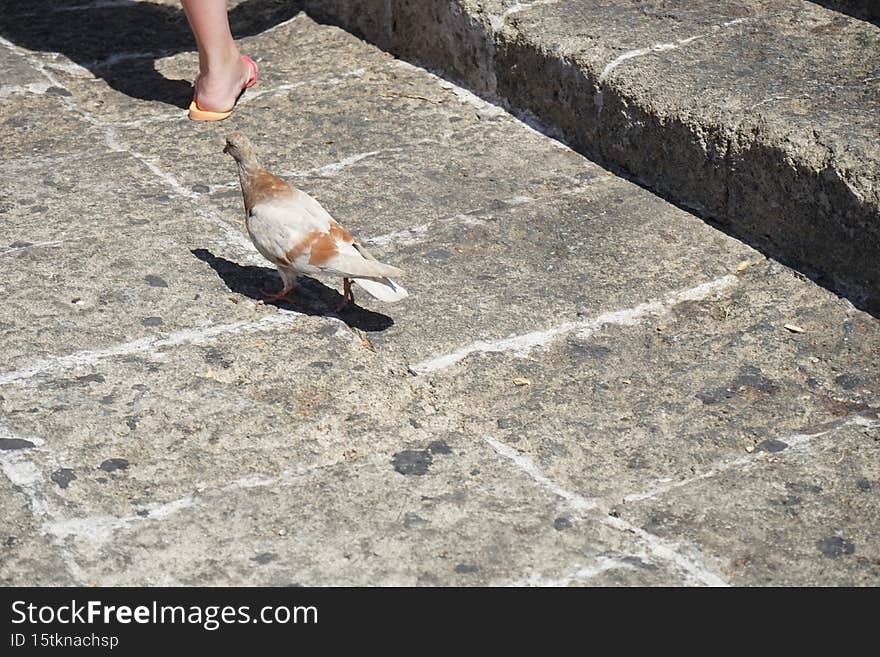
pixel 239 147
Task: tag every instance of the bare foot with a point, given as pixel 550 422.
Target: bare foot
pixel 218 88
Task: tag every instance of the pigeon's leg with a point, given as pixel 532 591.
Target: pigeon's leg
pixel 289 286
pixel 271 298
pixel 347 294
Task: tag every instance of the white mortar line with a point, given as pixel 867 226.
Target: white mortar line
pixel 58 364
pixel 467 97
pixel 527 465
pixel 100 529
pixel 235 237
pixel 602 564
pixel 331 169
pixel 116 58
pixel 76 67
pixel 283 24
pixel 497 22
pixel 34 246
pixel 418 234
pixel 632 54
pixel 694 568
pixel 523 344
pixel 232 233
pixel 67 66
pixel 794 441
pixel 662 47
pixel 771 99
pixel 114 145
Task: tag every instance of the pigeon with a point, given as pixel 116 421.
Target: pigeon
pixel 297 235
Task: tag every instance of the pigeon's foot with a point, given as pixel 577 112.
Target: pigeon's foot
pixel 271 298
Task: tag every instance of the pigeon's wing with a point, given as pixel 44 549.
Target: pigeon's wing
pixel 335 252
pixel 309 208
pixel 347 262
pixel 284 228
pixel 360 249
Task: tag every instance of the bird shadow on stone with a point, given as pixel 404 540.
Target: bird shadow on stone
pixel 120 41
pixel 311 297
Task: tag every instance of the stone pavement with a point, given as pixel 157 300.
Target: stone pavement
pixel 587 386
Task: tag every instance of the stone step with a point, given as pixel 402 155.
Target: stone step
pixel 759 116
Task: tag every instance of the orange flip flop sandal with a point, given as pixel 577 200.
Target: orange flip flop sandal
pixel 196 113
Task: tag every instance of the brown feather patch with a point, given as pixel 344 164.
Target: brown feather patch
pixel 323 249
pixel 302 246
pixel 263 186
pixel 339 233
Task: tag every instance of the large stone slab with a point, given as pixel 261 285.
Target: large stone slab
pixel 149 426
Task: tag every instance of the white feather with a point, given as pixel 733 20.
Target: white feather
pixel 383 289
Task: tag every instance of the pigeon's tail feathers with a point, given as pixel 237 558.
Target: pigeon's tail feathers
pixel 354 266
pixel 387 270
pixel 384 289
pixel 381 270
